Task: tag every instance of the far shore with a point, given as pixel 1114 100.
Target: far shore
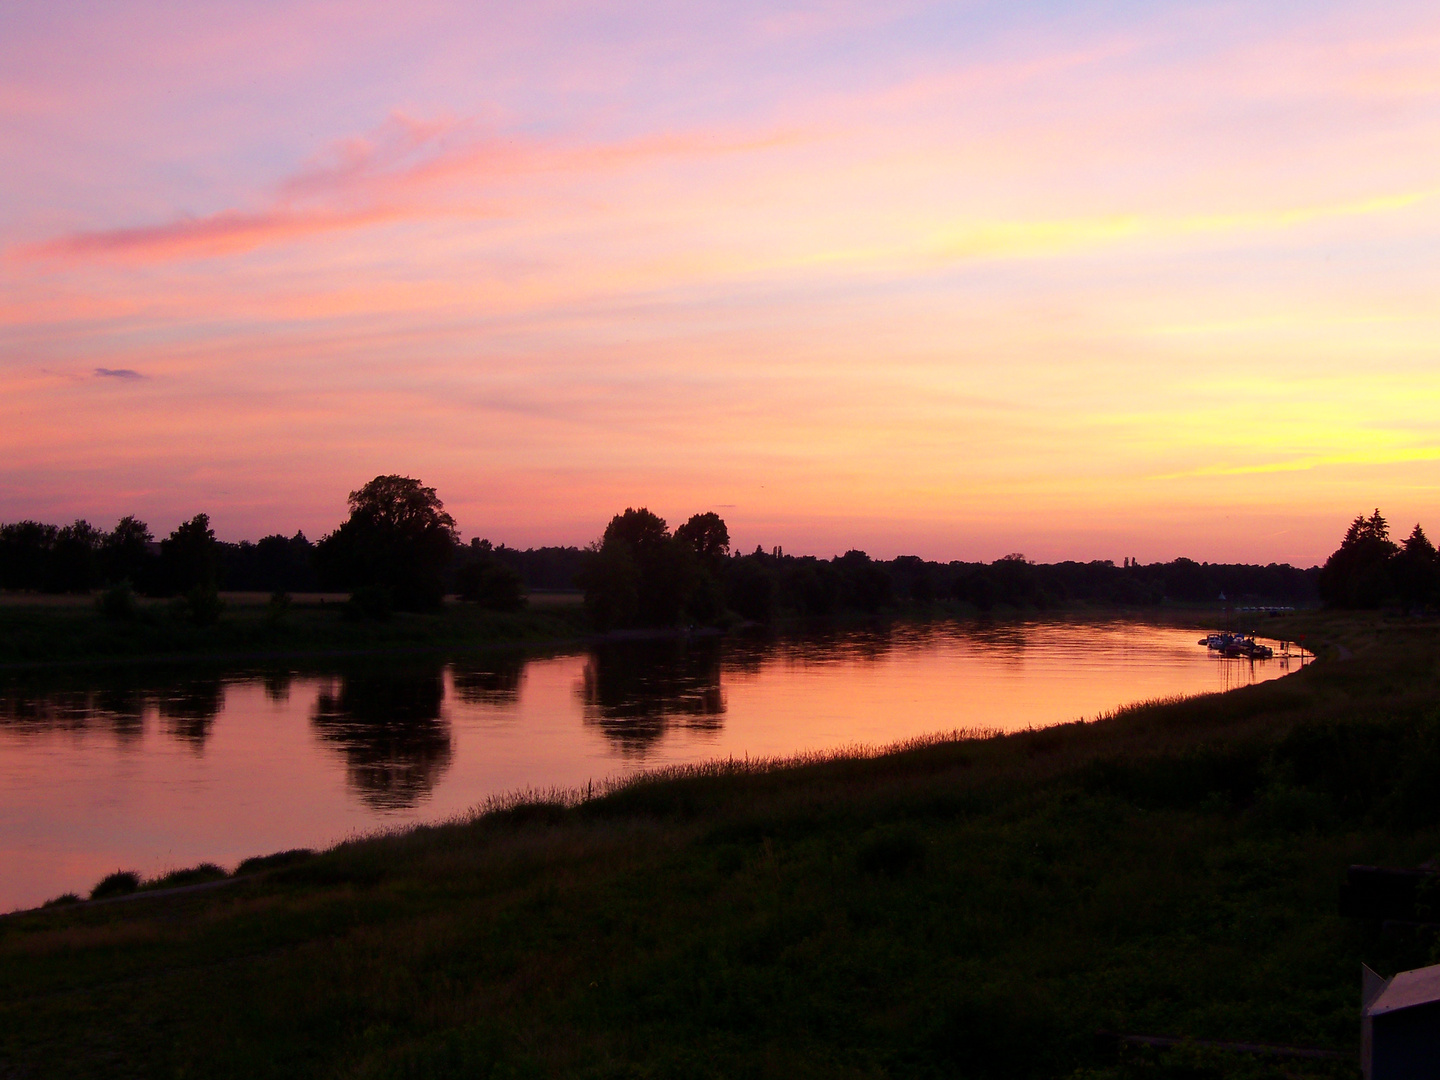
pixel 38 630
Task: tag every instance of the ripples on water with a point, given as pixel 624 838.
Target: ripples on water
pixel 154 768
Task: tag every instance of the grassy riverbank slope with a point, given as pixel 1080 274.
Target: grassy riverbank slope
pixel 968 907
pixel 70 629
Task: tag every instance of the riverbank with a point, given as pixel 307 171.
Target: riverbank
pixel 975 906
pixel 69 630
pixel 46 631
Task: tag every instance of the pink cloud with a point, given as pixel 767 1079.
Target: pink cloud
pixel 224 233
pixel 389 174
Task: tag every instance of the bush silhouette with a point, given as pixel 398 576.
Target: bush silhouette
pixel 116 884
pixel 369 602
pixel 202 605
pixel 117 602
pixel 482 579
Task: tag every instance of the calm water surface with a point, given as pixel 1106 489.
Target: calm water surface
pixel 154 769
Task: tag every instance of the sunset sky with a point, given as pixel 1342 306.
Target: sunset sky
pixel 1075 280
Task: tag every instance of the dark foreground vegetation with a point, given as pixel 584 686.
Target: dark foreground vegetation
pixel 976 907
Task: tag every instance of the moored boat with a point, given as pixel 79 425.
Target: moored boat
pixel 1237 645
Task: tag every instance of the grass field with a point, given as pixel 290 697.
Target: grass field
pixel 958 907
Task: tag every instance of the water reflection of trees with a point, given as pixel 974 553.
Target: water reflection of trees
pixel 119 710
pixel 825 645
pixel 634 692
pixel 277 685
pixel 489 680
pixel 187 707
pixel 188 710
pixel 387 724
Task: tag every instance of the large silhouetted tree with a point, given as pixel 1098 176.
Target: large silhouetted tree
pixel 707 536
pixel 125 554
pixel 75 561
pixel 25 548
pixel 641 529
pixel 1415 571
pixel 398 538
pixel 640 575
pixel 1357 575
pixel 190 557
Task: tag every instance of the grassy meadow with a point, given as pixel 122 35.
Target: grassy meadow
pixel 963 906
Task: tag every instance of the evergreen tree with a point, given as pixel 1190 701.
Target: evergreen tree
pixel 1415 570
pixel 1357 575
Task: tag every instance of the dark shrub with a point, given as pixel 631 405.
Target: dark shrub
pixel 257 863
pixel 368 602
pixel 202 605
pixel 491 585
pixel 116 884
pixel 195 875
pixel 117 602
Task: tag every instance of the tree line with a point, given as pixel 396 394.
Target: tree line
pixel 400 550
pixel 639 574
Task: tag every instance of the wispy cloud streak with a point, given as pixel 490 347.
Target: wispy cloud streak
pixel 394 173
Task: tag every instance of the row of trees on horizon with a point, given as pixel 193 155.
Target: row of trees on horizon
pixel 400 548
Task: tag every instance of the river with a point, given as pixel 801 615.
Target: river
pixel 157 768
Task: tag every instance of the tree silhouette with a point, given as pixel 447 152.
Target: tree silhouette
pixel 1357 575
pixel 641 529
pixel 125 554
pixel 639 574
pixel 706 535
pixel 75 560
pixel 190 557
pixel 398 538
pixel 25 554
pixel 638 558
pixel 484 580
pixel 1415 570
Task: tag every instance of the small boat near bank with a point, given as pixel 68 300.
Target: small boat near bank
pixel 1243 646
